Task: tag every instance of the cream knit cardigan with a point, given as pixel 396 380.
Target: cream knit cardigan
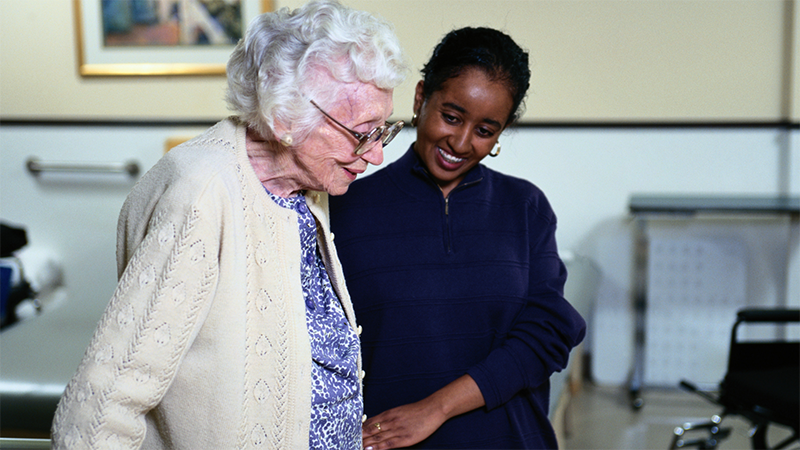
pixel 204 344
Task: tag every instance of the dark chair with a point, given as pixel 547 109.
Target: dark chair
pixel 762 385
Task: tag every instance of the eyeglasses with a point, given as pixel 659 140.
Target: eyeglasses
pixel 385 133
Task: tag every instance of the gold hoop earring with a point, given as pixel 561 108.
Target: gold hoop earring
pixel 495 151
pixel 414 120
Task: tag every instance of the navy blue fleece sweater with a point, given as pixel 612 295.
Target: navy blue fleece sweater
pixel 471 284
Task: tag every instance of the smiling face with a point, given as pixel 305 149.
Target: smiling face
pixel 326 157
pixel 459 124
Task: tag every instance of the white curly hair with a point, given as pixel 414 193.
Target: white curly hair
pixel 274 70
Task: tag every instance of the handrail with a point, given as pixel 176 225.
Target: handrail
pixel 24 443
pixel 35 167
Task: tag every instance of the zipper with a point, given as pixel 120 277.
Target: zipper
pixel 447 231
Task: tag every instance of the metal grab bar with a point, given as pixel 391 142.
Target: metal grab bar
pixel 24 443
pixel 35 167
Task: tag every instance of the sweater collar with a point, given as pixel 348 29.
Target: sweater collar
pixel 410 161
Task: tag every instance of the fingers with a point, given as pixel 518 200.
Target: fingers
pixel 371 428
pixel 377 435
pixel 377 443
pixel 400 427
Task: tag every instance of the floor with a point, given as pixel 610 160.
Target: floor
pixel 601 418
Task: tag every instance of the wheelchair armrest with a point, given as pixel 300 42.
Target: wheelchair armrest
pixel 768 315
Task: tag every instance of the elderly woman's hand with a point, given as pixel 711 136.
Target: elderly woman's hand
pixel 412 423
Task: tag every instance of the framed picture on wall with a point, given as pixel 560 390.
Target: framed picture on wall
pixel 160 37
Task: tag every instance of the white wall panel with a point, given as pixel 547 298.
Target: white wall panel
pixel 588 175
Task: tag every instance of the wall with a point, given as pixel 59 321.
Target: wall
pixel 613 61
pixel 73 217
pixel 592 60
pixel 588 175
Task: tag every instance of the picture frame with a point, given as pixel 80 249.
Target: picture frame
pixel 155 52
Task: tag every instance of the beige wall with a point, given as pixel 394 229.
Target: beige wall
pixel 593 60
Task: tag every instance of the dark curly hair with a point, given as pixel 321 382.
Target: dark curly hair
pixel 488 49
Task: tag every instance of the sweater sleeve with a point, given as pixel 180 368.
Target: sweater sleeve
pixel 147 327
pixel 544 332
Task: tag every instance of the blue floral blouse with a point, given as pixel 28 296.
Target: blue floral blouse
pixel 336 402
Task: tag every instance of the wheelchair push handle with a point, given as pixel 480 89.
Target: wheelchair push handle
pixel 768 315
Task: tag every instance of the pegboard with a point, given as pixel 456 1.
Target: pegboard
pixel 694 287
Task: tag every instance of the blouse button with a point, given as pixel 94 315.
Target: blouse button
pixel 302 208
pixel 310 304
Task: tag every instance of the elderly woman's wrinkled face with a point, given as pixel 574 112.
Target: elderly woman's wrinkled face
pixel 327 154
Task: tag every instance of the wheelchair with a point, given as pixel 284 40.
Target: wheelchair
pixel 762 386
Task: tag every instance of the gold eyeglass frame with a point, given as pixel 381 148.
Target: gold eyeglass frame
pixel 385 132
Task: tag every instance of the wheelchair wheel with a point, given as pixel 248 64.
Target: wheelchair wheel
pixel 761 433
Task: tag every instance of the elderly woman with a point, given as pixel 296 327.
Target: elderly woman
pixel 231 326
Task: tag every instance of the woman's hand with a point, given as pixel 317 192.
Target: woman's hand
pixel 402 426
pixel 412 423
